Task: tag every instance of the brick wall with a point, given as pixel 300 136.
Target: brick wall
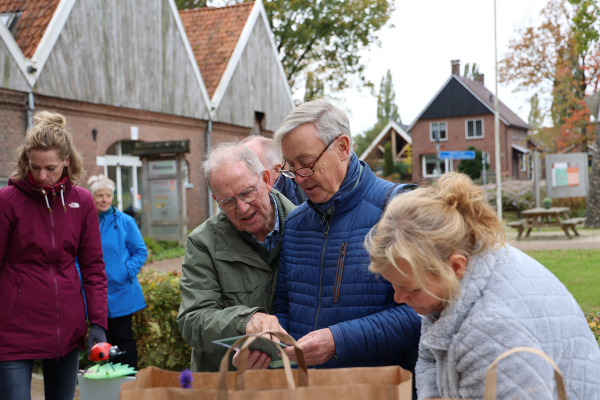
pixel 456 133
pixel 113 124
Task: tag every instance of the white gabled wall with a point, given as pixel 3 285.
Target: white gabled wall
pixel 125 53
pixel 254 79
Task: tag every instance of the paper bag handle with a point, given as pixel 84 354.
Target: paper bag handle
pixel 286 339
pixel 223 369
pixel 489 392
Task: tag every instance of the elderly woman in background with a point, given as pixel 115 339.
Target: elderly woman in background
pixel 443 250
pixel 124 255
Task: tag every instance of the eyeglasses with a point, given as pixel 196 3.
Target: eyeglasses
pixel 304 171
pixel 248 195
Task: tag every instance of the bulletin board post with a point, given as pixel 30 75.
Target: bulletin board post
pixel 567 175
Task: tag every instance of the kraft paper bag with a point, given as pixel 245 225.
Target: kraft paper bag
pixel 381 383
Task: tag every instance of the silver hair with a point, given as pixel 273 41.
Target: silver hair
pixel 271 154
pixel 231 151
pixel 98 182
pixel 330 121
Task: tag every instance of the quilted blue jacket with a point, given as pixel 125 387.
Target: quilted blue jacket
pixel 324 281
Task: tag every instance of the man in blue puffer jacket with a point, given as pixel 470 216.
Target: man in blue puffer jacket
pixel 326 298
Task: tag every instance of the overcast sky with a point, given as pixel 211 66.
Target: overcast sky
pixel 427 35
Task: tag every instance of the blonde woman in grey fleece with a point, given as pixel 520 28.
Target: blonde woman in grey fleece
pixel 442 247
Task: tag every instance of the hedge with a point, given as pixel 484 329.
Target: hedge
pixel 158 338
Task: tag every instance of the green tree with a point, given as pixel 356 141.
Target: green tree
pixel 388 161
pixel 387 111
pixel 471 72
pixel 473 167
pixel 184 4
pixel 536 114
pixel 314 88
pixel 325 37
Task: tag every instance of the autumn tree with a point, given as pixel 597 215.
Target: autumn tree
pixel 314 88
pixel 559 58
pixel 536 114
pixel 387 111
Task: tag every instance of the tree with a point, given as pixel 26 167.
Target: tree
pixel 536 114
pixel 387 111
pixel 324 37
pixel 388 160
pixel 473 167
pixel 471 72
pixel 314 88
pixel 560 58
pixel 184 4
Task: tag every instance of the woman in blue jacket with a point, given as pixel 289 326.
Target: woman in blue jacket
pixel 124 255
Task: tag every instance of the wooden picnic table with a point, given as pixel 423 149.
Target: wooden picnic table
pixel 554 217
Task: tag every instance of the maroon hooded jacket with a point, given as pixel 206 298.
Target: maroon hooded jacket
pixel 42 312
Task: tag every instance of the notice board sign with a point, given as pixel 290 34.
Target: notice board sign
pixel 567 175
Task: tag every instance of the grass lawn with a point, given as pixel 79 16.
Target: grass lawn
pixel 578 270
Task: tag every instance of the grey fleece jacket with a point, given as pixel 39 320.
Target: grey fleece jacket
pixel 507 300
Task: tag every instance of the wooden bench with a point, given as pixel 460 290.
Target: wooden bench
pixel 571 223
pixel 519 225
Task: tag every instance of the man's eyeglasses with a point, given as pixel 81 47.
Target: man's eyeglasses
pixel 304 171
pixel 247 195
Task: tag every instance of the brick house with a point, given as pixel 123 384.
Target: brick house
pixel 462 113
pixel 125 70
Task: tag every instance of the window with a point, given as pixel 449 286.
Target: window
pixel 474 129
pixel 518 134
pixel 430 166
pixel 523 160
pixel 438 128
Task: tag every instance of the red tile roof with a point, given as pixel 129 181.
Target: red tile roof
pixel 33 22
pixel 213 33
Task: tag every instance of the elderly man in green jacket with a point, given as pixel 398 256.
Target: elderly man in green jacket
pixel 231 260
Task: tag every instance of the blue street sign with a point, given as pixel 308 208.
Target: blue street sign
pixel 457 155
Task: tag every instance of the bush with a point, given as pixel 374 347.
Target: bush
pixel 388 161
pixel 473 168
pixel 158 338
pixel 158 251
pixel 403 169
pixel 594 323
pixel 516 195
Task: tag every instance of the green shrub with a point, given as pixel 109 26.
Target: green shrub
pixel 158 251
pixel 388 161
pixel 158 338
pixel 473 168
pixel 594 323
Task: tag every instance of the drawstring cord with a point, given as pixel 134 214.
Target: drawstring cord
pixel 62 189
pixel 47 203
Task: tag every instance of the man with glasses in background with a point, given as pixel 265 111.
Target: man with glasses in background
pixel 230 265
pixel 326 298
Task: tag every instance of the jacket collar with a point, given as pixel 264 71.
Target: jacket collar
pixel 231 246
pixel 439 331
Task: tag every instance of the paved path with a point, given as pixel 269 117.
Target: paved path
pixel 37 388
pixel 554 239
pixel 167 265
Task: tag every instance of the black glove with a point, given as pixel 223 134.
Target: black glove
pixel 97 335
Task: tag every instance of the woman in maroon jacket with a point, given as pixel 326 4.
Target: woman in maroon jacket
pixel 46 221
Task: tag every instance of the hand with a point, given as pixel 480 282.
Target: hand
pixel 97 335
pixel 261 322
pixel 256 360
pixel 318 347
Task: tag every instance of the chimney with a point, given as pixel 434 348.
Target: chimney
pixel 479 79
pixel 455 67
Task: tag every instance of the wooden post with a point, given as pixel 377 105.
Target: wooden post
pixel 394 151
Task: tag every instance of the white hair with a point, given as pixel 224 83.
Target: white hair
pixel 271 154
pixel 330 121
pixel 231 151
pixel 98 182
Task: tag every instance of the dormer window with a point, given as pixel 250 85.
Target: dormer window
pixel 10 19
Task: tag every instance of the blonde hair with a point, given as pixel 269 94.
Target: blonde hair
pixel 98 182
pixel 48 133
pixel 425 226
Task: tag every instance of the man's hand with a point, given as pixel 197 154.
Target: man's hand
pixel 261 322
pixel 256 360
pixel 318 347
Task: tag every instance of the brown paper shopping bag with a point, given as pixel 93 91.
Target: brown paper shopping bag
pixel 489 390
pixel 302 384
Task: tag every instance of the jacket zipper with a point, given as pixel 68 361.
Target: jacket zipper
pixel 338 273
pixel 56 288
pixel 325 235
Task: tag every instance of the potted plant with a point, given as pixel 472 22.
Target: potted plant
pixel 547 202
